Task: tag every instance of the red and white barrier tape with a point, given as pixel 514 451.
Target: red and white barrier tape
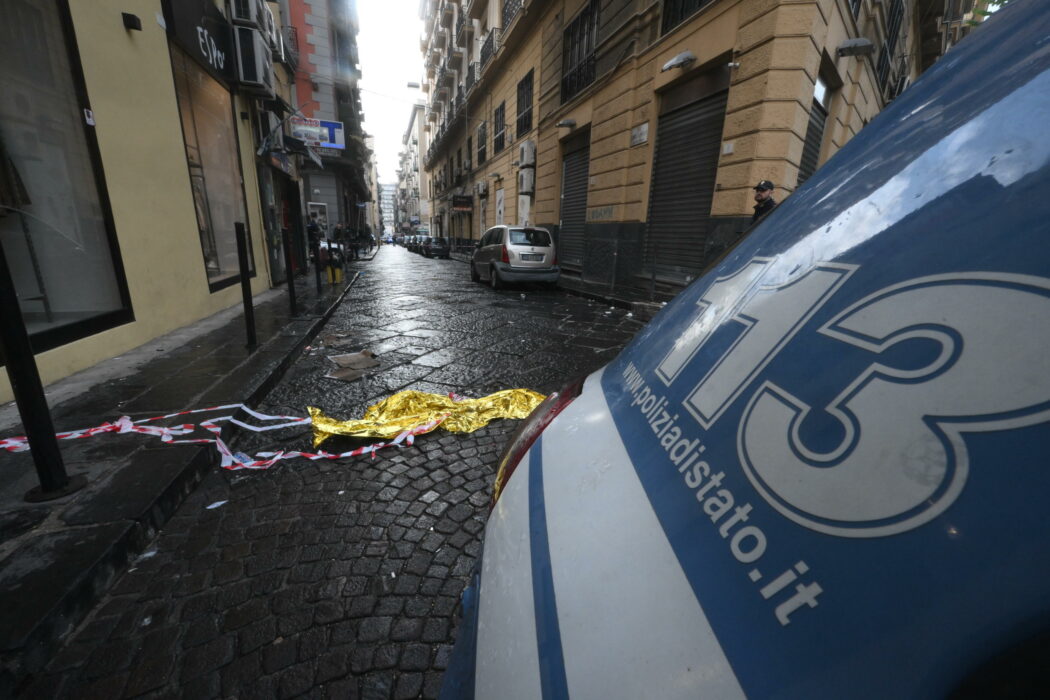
pixel 229 459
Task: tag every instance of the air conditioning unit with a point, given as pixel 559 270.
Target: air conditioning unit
pixel 481 188
pixel 248 13
pixel 526 181
pixel 254 63
pixel 466 165
pixel 270 28
pixel 527 154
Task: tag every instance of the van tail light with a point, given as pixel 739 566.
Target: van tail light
pixel 554 258
pixel 504 255
pixel 529 430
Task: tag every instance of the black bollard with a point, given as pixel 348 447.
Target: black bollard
pixel 246 284
pixel 317 266
pixel 286 244
pixel 29 395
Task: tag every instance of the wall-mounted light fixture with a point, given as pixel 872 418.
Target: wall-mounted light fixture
pixel 131 21
pixel 856 47
pixel 682 60
pixel 566 124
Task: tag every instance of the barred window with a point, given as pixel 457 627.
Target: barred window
pixel 482 141
pixel 525 105
pixel 499 128
pixel 578 46
pixel 677 11
pixel 893 30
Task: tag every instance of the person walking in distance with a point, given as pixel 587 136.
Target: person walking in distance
pixel 764 202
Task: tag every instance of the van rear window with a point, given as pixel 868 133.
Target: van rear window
pixel 530 236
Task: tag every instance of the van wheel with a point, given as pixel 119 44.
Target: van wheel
pixel 494 279
pixel 474 277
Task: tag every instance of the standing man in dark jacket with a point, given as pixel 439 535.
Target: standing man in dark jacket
pixel 764 202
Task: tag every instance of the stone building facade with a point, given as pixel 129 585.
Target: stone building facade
pixel 636 129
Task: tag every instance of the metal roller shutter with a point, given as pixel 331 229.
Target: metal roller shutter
pixel 575 170
pixel 684 170
pixel 811 147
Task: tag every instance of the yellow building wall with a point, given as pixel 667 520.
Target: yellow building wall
pixel 130 86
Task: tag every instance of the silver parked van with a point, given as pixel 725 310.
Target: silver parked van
pixel 515 254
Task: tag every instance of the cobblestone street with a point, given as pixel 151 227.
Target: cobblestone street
pixel 340 579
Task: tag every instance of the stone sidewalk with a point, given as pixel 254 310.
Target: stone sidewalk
pixel 57 558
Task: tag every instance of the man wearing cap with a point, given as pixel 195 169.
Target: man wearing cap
pixel 764 202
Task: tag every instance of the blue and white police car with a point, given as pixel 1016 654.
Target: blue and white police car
pixel 823 470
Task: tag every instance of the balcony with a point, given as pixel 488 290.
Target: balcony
pixel 456 56
pixel 440 37
pixel 489 48
pixel 476 8
pixel 445 14
pixel 430 65
pixel 511 8
pixel 464 29
pixel 471 78
pixel 290 37
pixel 447 74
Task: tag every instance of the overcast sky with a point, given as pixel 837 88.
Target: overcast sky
pixel 388 46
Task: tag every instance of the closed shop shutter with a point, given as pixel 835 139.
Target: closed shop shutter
pixel 811 148
pixel 684 170
pixel 575 169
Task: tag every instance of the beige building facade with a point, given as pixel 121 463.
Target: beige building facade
pixel 636 129
pixel 134 138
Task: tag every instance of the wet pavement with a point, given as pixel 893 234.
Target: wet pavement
pixel 339 579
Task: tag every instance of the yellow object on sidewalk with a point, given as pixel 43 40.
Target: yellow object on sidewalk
pixel 410 409
pixel 335 274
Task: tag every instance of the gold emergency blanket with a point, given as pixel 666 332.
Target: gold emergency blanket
pixel 410 409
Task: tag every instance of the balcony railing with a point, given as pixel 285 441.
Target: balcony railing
pixel 461 24
pixel 291 45
pixel 577 79
pixel 472 76
pixel 511 8
pixel 488 49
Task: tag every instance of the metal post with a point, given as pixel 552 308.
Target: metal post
pixel 289 273
pixel 29 395
pixel 317 266
pixel 246 284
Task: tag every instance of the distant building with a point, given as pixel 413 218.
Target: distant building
pixel 412 192
pixel 388 197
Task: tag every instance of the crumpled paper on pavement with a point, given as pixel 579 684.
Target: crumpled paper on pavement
pixel 409 409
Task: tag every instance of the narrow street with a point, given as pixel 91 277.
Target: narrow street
pixel 340 579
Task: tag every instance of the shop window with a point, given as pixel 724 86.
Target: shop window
pixel 55 226
pixel 206 109
pixel 499 129
pixel 578 48
pixel 525 105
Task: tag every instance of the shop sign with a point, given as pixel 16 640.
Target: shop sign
pixel 462 202
pixel 200 29
pixel 318 132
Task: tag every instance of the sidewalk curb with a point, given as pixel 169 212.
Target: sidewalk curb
pixel 162 477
